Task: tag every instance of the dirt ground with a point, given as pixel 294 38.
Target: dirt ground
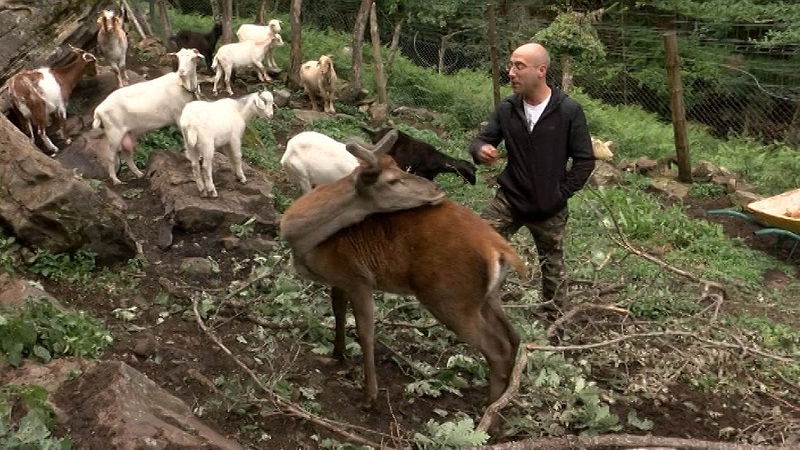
pixel 189 359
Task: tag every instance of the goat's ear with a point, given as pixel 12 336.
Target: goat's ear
pixel 260 102
pixel 88 57
pixel 197 53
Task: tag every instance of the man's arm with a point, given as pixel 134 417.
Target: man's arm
pixel 580 149
pixel 492 134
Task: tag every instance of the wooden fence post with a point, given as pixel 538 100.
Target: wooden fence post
pixel 677 107
pixel 377 61
pixel 493 54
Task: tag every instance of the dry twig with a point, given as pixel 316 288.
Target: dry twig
pixel 286 406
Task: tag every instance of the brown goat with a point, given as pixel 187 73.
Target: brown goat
pixel 374 238
pixel 35 94
pixel 113 43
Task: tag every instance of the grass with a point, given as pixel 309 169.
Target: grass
pixel 560 392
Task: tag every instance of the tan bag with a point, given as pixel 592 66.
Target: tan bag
pixel 601 150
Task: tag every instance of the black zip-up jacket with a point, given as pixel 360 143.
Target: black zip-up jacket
pixel 535 180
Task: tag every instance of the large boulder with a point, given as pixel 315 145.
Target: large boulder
pixel 171 178
pixel 112 405
pixel 47 206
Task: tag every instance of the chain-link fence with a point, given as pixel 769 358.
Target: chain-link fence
pixel 731 83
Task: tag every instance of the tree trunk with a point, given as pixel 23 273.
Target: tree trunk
pixel 163 20
pixel 227 18
pixel 295 51
pixel 38 36
pixel 261 18
pixel 47 207
pixel 377 61
pixel 792 136
pixel 354 90
pixel 394 45
pixel 442 50
pixel 566 73
pixel 215 10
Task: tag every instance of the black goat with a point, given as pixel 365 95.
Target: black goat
pixel 205 43
pixel 421 158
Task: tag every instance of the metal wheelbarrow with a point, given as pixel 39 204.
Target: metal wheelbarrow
pixel 777 215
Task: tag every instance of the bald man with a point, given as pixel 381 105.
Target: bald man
pixel 542 129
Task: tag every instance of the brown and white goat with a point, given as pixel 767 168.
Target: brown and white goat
pixel 113 43
pixel 381 228
pixel 319 78
pixel 37 93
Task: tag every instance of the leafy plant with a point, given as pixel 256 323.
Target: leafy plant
pixel 34 428
pixel 449 435
pixel 39 330
pixel 74 267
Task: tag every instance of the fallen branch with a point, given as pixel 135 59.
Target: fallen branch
pixel 288 407
pixel 625 441
pixel 583 307
pixel 627 246
pixel 524 348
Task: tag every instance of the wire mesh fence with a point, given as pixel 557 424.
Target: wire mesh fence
pixel 732 84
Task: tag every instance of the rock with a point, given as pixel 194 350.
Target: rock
pixel 171 178
pixel 14 291
pixel 145 345
pixel 605 174
pixel 308 115
pixel 257 244
pixel 744 198
pixel 419 113
pixel 704 171
pixel 164 240
pixel 378 113
pixel 47 206
pixel 197 265
pixel 112 405
pixel 669 187
pixel 281 97
pixel 82 156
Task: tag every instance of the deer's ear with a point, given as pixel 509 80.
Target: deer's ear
pixel 367 178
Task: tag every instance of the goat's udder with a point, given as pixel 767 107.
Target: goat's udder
pixel 128 143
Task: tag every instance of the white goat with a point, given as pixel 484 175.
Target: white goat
pixel 259 33
pixel 113 43
pixel 206 126
pixel 312 159
pixel 319 78
pixel 145 106
pixel 240 54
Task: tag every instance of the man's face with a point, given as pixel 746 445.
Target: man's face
pixel 525 76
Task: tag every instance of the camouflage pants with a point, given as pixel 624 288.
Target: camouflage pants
pixel 548 235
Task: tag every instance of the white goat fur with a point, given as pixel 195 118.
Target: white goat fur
pixel 145 106
pixel 259 33
pixel 312 159
pixel 240 54
pixel 319 78
pixel 113 43
pixel 206 126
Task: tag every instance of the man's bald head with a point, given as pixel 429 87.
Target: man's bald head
pixel 533 53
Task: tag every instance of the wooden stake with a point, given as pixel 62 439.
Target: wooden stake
pixel 493 54
pixel 377 61
pixel 677 107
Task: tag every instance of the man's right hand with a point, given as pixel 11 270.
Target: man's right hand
pixel 488 154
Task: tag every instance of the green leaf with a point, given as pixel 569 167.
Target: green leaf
pixel 41 353
pixel 641 424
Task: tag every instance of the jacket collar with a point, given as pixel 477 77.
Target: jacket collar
pixel 556 95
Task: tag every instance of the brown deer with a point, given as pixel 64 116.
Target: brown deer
pixel 381 228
